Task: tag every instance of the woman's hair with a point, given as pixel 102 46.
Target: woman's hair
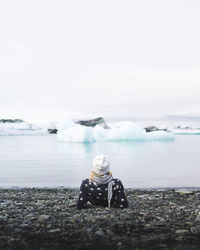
pixel 93 173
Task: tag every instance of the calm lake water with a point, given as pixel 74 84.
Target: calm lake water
pixel 43 161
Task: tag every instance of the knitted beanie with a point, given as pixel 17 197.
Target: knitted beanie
pixel 101 165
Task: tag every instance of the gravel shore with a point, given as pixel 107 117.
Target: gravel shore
pixel 35 219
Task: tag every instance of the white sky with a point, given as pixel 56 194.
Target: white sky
pixel 90 58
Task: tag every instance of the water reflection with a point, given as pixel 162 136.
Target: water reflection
pixel 43 161
pixel 85 150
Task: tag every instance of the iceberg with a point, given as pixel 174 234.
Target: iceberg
pixel 20 128
pixel 120 131
pixel 183 131
pixel 72 132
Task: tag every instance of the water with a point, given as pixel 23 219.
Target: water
pixel 43 161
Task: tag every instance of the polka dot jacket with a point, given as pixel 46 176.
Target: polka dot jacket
pixel 98 194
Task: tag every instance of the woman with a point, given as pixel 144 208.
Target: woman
pixel 101 189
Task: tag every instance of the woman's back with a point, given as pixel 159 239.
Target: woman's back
pixel 97 194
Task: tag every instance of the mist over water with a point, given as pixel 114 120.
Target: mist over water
pixel 43 161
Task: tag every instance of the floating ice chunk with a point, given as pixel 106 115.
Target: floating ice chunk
pixel 186 131
pixel 71 132
pixel 20 128
pixel 62 125
pixel 120 131
pixel 159 135
pixel 129 131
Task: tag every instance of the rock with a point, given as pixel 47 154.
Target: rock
pixel 104 212
pixel 160 223
pixel 153 128
pixel 43 218
pixel 100 233
pixel 181 231
pixel 89 230
pixel 52 131
pixel 197 219
pixel 29 217
pixel 2 218
pixel 89 218
pixel 180 238
pixel 143 196
pixel 71 220
pixel 11 220
pixel 109 231
pixel 190 223
pixel 184 191
pixel 195 229
pixel 92 123
pixel 54 230
pixel 24 225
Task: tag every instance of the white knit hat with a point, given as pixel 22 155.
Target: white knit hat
pixel 101 165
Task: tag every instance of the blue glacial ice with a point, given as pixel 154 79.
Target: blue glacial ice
pixel 69 131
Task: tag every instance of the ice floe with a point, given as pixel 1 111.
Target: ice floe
pixel 121 131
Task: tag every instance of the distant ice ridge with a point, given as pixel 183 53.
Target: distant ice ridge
pixel 186 131
pixel 20 128
pixel 121 131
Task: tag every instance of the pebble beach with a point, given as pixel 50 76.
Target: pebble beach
pixel 34 218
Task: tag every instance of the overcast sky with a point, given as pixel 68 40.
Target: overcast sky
pixel 88 58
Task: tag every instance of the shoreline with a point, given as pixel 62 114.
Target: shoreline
pixel 43 218
pixel 189 188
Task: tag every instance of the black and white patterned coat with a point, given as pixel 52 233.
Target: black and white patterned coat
pixel 98 194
